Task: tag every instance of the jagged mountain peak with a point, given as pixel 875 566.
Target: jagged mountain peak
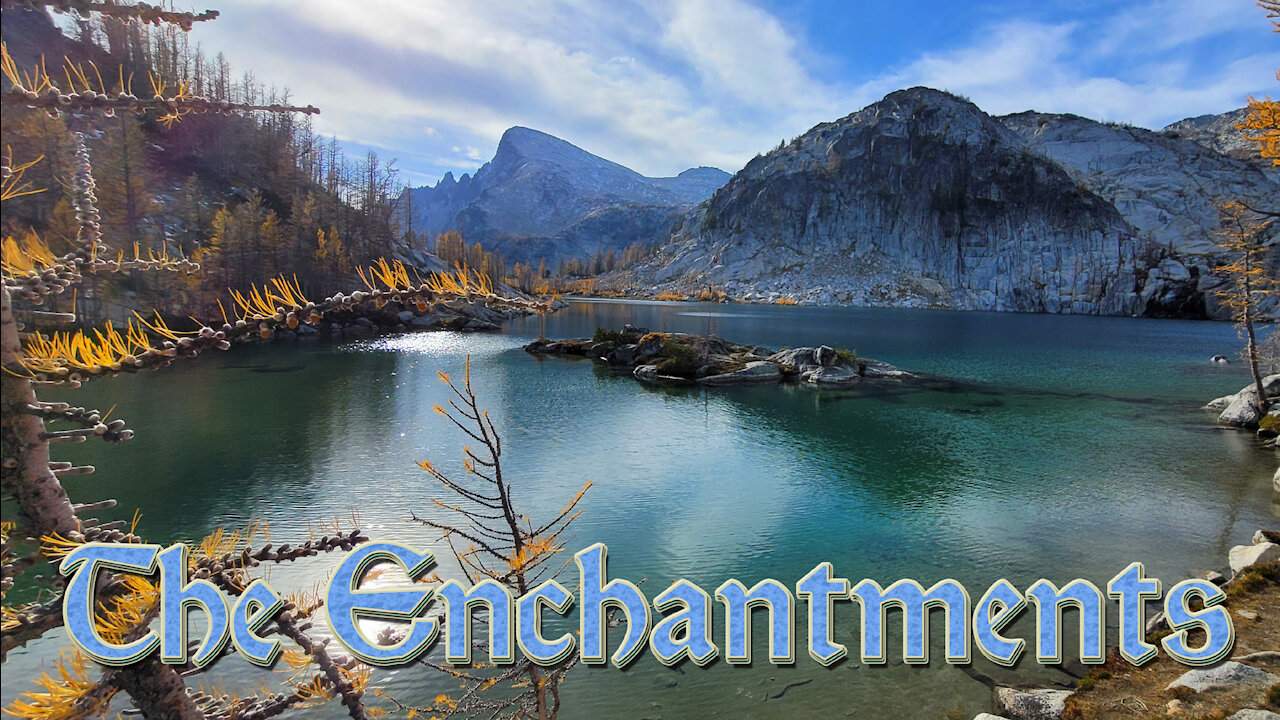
pixel 538 187
pixel 920 112
pixel 922 199
pixel 525 145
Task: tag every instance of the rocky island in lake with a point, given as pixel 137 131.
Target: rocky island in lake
pixel 683 358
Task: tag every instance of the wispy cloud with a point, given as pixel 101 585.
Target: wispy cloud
pixel 1063 68
pixel 661 85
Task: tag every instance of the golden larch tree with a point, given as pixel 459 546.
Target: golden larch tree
pixel 41 346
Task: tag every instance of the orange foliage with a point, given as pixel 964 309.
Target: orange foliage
pixel 1247 275
pixel 1262 126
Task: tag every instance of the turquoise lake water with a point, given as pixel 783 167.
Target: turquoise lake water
pixel 1061 447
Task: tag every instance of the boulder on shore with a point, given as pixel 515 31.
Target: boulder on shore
pixel 1031 704
pixel 822 366
pixel 1228 674
pixel 1219 404
pixel 806 357
pixel 1242 410
pixel 759 371
pixel 646 373
pixel 1246 556
pixel 833 376
pixel 1251 714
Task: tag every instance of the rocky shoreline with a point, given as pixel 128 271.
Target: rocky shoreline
pixel 1245 687
pixel 1243 411
pixel 659 358
pixel 461 315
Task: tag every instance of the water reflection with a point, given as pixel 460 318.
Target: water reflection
pixel 1057 447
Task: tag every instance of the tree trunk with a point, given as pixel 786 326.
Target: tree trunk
pixel 1264 405
pixel 1246 319
pixel 26 472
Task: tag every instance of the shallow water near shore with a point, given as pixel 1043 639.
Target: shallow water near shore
pixel 1061 447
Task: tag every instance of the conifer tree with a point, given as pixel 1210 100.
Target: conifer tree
pixel 1249 281
pixel 41 344
pixel 1250 271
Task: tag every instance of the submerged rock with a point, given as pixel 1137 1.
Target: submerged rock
pixel 877 369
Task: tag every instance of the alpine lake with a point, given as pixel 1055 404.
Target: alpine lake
pixel 1058 447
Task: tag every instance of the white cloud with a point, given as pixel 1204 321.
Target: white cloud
pixel 1167 24
pixel 661 85
pixel 1033 66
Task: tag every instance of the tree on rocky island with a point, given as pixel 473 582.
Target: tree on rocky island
pixel 41 345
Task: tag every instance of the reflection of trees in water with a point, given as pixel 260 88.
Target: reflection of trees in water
pixel 256 427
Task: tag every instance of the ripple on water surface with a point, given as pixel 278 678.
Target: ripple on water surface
pixel 1063 448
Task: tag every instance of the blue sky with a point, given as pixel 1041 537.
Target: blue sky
pixel 662 85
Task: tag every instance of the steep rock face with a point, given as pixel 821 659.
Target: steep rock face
pixel 1218 133
pixel 538 186
pixel 613 227
pixel 918 200
pixel 1167 186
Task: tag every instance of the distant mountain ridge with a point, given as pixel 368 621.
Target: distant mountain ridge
pixel 1219 133
pixel 526 202
pixel 924 200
